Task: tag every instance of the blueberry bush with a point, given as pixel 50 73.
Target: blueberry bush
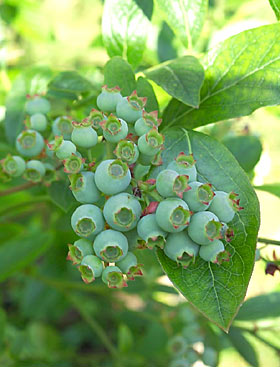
pixel 113 176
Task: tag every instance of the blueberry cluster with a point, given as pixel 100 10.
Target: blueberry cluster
pixel 120 211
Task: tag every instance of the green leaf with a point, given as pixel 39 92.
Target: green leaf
pixel 117 72
pixel 275 4
pixel 273 189
pixel 261 307
pixel 182 78
pixel 30 81
pixel 2 327
pixel 124 30
pixel 242 345
pixel 144 89
pixel 21 251
pixel 247 150
pixel 61 195
pixel 68 85
pixel 185 18
pixel 125 339
pixel 216 290
pixel 241 75
pixel 165 48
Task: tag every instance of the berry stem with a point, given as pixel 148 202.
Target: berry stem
pixel 90 155
pixel 109 150
pixel 188 140
pixel 268 241
pixel 15 189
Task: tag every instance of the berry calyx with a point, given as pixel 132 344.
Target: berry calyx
pixel 84 188
pixel 91 267
pixel 63 126
pixel 184 165
pixel 110 246
pixel 204 228
pixel 96 117
pixel 145 123
pixel 225 205
pixel 14 166
pixel 114 129
pixel 29 143
pixel 79 250
pixel 73 164
pixel 173 215
pixel 113 277
pixel 199 196
pixel 87 221
pixel 129 266
pixel 151 143
pixel 35 171
pixel 169 183
pixel 127 151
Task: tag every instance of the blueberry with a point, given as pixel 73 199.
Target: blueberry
pixel 14 166
pixel 79 250
pixel 149 230
pixel 91 267
pixel 110 246
pixel 169 183
pixel 127 151
pixel 199 196
pixel 151 143
pixel 204 228
pixel 184 165
pixel 38 122
pixel 108 99
pixel 84 188
pixel 87 221
pixel 35 171
pixel 37 105
pixel 113 277
pixel 62 126
pixel 145 123
pixel 83 134
pixel 29 143
pixel 130 108
pixel 173 215
pixel 114 129
pixel 225 205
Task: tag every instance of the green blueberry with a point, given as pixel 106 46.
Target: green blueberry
pixel 79 250
pixel 177 345
pixel 204 228
pixel 38 122
pixel 211 252
pixel 37 105
pixel 62 125
pixel 35 171
pixel 87 221
pixel 129 266
pixel 29 143
pixel 150 232
pixel 84 188
pixel 110 246
pixel 184 165
pixel 14 165
pixel 127 151
pixel 84 135
pixel 113 277
pixel 73 164
pixel 108 99
pixel 169 183
pixel 114 129
pixel 91 267
pixel 199 196
pixel 151 143
pixel 173 215
pixel 129 109
pixel 96 117
pixel 210 356
pixel 62 148
pixel 112 176
pixel 225 205
pixel 145 123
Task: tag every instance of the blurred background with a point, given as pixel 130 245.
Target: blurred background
pixel 48 317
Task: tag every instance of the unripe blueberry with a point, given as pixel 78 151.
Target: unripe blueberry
pixel 112 176
pixel 110 246
pixel 63 148
pixel 129 266
pixel 177 345
pixel 150 232
pixel 127 151
pixel 204 228
pixel 108 99
pixel 83 134
pixel 173 215
pixel 199 196
pixel 14 166
pixel 113 277
pixel 38 122
pixel 215 252
pixel 91 267
pixel 130 108
pixel 79 250
pixel 73 164
pixel 210 356
pixel 96 117
pixel 184 165
pixel 87 221
pixel 122 212
pixel 180 248
pixel 35 171
pixel 63 126
pixel 169 183
pixel 37 105
pixel 114 129
pixel 50 174
pixel 225 205
pixel 29 143
pixel 151 143
pixel 84 188
pixel 147 122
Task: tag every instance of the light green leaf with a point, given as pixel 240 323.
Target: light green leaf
pixel 273 189
pixel 124 30
pixel 275 4
pixel 241 75
pixel 117 72
pixel 243 346
pixel 61 195
pixel 182 78
pixel 216 290
pixel 144 89
pixel 185 18
pixel 261 307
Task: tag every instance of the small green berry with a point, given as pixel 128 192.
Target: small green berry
pixel 145 123
pixel 91 267
pixel 96 117
pixel 35 171
pixel 169 183
pixel 130 108
pixel 84 188
pixel 215 252
pixel 63 126
pixel 110 246
pixel 177 345
pixel 62 148
pixel 225 205
pixel 79 250
pixel 114 129
pixel 127 151
pixel 149 230
pixel 204 228
pixel 173 215
pixel 29 143
pixel 108 99
pixel 151 143
pixel 38 122
pixel 37 105
pixel 73 164
pixel 210 356
pixel 184 165
pixel 83 135
pixel 113 277
pixel 14 166
pixel 129 266
pixel 199 196
pixel 87 221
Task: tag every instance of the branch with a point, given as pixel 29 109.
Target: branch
pixel 15 189
pixel 269 242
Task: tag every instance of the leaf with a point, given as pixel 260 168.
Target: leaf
pixel 61 195
pixel 124 30
pixel 30 81
pixel 247 150
pixel 21 251
pixel 117 72
pixel 182 78
pixel 260 307
pixel 275 4
pixel 216 290
pixel 147 6
pixel 165 49
pixel 2 327
pixel 144 89
pixel 241 75
pixel 185 18
pixel 69 85
pixel 242 345
pixel 273 189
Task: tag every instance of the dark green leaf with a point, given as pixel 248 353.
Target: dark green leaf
pixel 275 4
pixel 118 72
pixel 61 195
pixel 241 75
pixel 124 29
pixel 144 89
pixel 19 252
pixel 165 49
pixel 242 345
pixel 2 327
pixel 147 6
pixel 182 78
pixel 273 189
pixel 260 307
pixel 216 290
pixel 185 17
pixel 125 338
pixel 30 81
pixel 247 149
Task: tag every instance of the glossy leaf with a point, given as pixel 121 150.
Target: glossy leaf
pixel 118 72
pixel 185 17
pixel 61 195
pixel 216 290
pixel 182 78
pixel 144 89
pixel 241 75
pixel 275 4
pixel 273 189
pixel 124 30
pixel 243 346
pixel 261 307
